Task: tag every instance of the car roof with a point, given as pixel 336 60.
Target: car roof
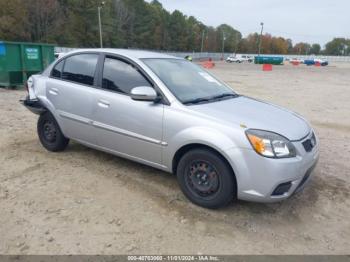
pixel 135 54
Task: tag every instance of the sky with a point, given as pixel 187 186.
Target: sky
pixel 312 21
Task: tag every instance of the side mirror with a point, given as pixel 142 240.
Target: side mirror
pixel 143 93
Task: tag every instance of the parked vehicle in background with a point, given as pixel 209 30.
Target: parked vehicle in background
pixel 296 60
pixel 171 114
pixel 322 61
pixel 237 58
pixel 316 61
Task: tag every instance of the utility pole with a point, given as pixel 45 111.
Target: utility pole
pixel 99 22
pixel 262 28
pixel 236 42
pixel 223 44
pixel 203 32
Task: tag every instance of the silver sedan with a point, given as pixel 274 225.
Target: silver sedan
pixel 171 114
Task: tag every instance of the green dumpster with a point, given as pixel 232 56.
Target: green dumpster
pixel 273 60
pixel 18 61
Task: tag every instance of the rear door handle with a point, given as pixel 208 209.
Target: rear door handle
pixel 53 91
pixel 103 103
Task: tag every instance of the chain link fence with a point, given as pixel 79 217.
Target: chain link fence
pixel 218 56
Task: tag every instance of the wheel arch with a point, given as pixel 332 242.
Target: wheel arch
pixel 188 147
pixel 49 108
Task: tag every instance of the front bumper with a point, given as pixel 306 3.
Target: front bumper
pixel 258 177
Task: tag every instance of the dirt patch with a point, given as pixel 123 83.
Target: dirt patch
pixel 330 125
pixel 83 201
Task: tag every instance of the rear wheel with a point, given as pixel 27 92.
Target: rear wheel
pixel 50 134
pixel 206 179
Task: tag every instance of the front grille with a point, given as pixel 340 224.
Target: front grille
pixel 307 145
pixel 310 143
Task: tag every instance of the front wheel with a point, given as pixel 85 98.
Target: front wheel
pixel 206 179
pixel 50 134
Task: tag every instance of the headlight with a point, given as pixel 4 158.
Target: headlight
pixel 270 144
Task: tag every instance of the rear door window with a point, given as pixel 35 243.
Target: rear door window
pixel 57 70
pixel 80 68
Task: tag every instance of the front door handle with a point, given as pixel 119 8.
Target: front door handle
pixel 53 91
pixel 103 103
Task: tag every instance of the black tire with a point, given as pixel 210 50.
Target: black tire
pixel 217 189
pixel 50 134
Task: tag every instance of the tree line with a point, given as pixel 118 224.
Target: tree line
pixel 137 24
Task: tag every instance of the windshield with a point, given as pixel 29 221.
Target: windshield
pixel 188 82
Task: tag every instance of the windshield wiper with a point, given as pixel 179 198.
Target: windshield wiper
pixel 211 98
pixel 223 96
pixel 196 101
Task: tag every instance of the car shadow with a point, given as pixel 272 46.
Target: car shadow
pixel 161 188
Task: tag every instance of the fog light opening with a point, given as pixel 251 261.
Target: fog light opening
pixel 281 189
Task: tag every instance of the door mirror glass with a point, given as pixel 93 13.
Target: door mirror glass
pixel 143 93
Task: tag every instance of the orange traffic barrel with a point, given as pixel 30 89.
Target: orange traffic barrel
pixel 267 67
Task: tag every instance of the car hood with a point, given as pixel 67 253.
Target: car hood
pixel 256 114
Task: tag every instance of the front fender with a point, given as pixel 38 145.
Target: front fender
pixel 197 135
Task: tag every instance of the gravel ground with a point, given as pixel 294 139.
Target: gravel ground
pixel 83 201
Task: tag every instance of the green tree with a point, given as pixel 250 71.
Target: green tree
pixel 232 38
pixel 13 21
pixel 212 41
pixel 194 29
pixel 81 24
pixel 136 24
pixel 279 45
pixel 315 49
pixel 44 19
pixel 159 28
pixel 177 31
pixel 250 44
pixel 290 46
pixel 301 49
pixel 338 46
pixel 142 25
